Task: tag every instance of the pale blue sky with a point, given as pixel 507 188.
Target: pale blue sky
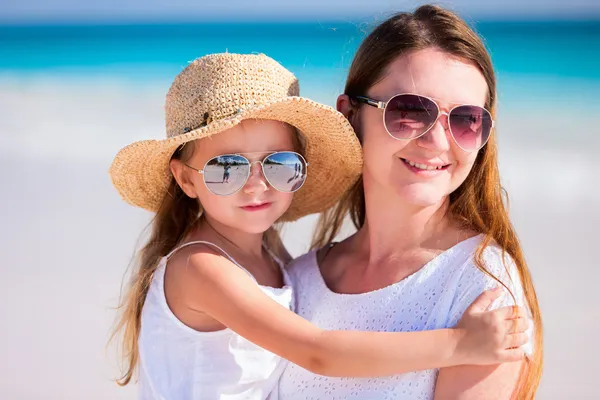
pixel 168 10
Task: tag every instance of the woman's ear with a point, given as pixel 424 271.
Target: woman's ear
pixel 345 106
pixel 178 169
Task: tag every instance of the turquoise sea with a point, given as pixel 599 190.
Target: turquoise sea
pixel 313 50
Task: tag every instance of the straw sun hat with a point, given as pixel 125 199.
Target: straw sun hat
pixel 217 92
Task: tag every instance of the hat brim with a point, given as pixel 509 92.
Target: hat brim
pixel 140 171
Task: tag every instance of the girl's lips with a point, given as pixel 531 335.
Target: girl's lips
pixel 256 207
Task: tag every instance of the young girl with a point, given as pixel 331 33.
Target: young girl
pixel 214 324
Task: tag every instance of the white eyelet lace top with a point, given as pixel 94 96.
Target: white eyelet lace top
pixel 434 297
pixel 178 362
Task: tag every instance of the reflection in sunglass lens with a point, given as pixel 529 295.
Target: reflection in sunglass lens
pixel 226 174
pixel 407 116
pixel 285 171
pixel 470 126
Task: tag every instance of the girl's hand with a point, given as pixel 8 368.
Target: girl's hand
pixel 491 337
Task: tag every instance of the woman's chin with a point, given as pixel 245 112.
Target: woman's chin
pixel 422 197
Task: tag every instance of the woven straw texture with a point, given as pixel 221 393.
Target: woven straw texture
pixel 217 92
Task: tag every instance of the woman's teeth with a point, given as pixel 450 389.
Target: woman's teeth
pixel 423 166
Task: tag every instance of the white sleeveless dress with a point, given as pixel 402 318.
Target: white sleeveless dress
pixel 433 297
pixel 178 362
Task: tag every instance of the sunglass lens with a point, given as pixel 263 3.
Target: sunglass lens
pixel 470 126
pixel 285 171
pixel 226 174
pixel 407 116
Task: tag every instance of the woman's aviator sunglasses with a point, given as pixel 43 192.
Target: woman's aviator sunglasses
pixel 409 116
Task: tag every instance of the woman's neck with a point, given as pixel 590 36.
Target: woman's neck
pixel 393 226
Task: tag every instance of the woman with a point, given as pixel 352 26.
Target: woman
pixel 433 231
